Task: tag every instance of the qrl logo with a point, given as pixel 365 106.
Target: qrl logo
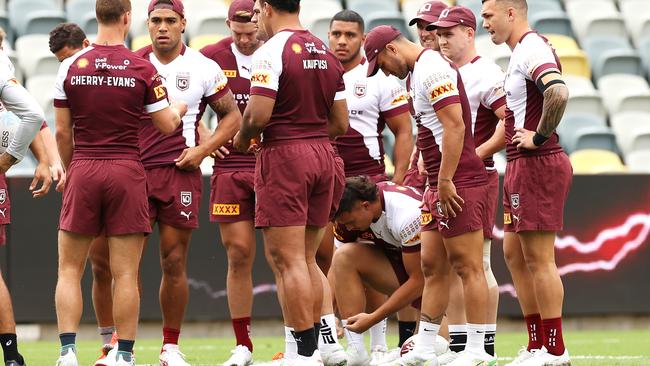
pixel 182 82
pixel 186 198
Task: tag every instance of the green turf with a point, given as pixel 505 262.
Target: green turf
pixel 587 348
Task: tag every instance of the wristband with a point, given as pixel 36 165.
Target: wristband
pixel 539 140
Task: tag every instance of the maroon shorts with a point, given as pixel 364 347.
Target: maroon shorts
pixel 534 192
pixel 105 196
pixel 232 196
pixel 492 202
pixel 174 196
pixel 414 179
pixel 295 184
pixel 469 220
pixel 5 203
pixel 3 235
pixel 395 259
pixel 339 185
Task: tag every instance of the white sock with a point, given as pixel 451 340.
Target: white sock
pixel 378 335
pixel 106 333
pixel 327 336
pixel 426 338
pixel 475 338
pixel 355 340
pixel 290 345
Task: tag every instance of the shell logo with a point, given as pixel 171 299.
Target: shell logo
pixel 296 48
pixel 82 63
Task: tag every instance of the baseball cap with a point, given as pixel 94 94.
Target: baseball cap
pixel 376 41
pixel 429 12
pixel 175 5
pixel 241 11
pixel 456 15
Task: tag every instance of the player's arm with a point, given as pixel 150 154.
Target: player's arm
pixel 42 171
pixel 338 121
pixel 56 167
pixel 167 119
pixel 63 135
pixel 451 118
pixel 497 142
pixel 256 116
pixel 400 125
pixel 229 122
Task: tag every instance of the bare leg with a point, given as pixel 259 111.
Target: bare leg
pixel 125 252
pixel 174 292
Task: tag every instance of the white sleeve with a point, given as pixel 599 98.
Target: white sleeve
pixel 492 95
pixel 215 80
pixel 267 68
pixel 17 100
pixel 539 58
pixel 391 94
pixel 439 83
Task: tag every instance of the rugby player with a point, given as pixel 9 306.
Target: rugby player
pixel 454 204
pixel 483 81
pixel 30 118
pixel 100 94
pixel 232 197
pixel 373 104
pixel 297 101
pixel 172 162
pixel 66 39
pixel 537 180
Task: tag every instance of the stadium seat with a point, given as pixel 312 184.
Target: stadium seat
pixel 320 28
pixel 6 26
pixel 365 7
pixel 601 20
pixel 208 25
pixel 583 98
pixel 140 41
pixel 632 130
pixel 637 18
pixel 612 55
pixel 34 55
pixel 396 20
pixel 82 12
pixel 571 125
pixel 326 9
pixel 638 161
pixel 644 52
pixel 139 17
pixel 624 93
pixel 204 40
pixel 562 42
pixel 42 88
pixel 595 161
pixel 498 53
pixel 592 137
pixel 206 17
pixel 574 62
pixel 547 22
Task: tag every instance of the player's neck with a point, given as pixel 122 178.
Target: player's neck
pixel 350 65
pixel 465 58
pixel 518 31
pixel 286 22
pixel 412 52
pixel 167 57
pixel 376 209
pixel 109 36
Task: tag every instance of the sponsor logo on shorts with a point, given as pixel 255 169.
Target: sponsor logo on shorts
pixel 444 224
pixel 186 198
pixel 360 90
pixel 230 73
pixel 514 200
pixel 187 215
pixel 221 209
pixel 426 218
pixel 3 195
pixel 507 218
pixel 3 212
pixel 183 81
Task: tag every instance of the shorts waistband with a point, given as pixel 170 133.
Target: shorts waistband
pixel 312 141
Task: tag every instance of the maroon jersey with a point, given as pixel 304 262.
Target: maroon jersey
pixel 107 88
pixel 197 81
pixel 237 68
pixel 304 77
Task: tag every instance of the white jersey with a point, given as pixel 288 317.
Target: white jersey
pixel 531 58
pixel 398 227
pixel 370 101
pixel 483 80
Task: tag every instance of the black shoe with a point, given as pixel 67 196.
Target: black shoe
pixel 14 363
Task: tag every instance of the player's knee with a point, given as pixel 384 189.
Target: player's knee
pixel 101 272
pixel 466 270
pixel 431 268
pixel 173 263
pixel 280 260
pixel 514 260
pixel 240 254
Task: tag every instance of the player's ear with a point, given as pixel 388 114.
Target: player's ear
pixel 184 22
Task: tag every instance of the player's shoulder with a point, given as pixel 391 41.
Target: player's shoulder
pixel 218 50
pixel 396 193
pixel 197 58
pixel 144 52
pixel 81 59
pixel 7 69
pixel 488 65
pixel 532 42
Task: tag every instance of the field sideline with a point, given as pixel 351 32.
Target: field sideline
pixel 607 348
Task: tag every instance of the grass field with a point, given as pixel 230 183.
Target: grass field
pixel 605 348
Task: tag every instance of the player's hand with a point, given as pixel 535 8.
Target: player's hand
pixel 220 153
pixel 450 201
pixel 41 174
pixel 240 144
pixel 58 175
pixel 523 139
pixel 359 323
pixel 191 158
pixel 180 107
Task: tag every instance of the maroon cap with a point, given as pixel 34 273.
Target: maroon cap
pixel 376 41
pixel 451 17
pixel 175 5
pixel 429 12
pixel 241 11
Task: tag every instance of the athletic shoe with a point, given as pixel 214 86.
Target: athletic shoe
pixel 415 358
pixel 333 355
pixel 171 355
pixel 447 357
pixel 103 359
pixel 241 356
pixel 523 355
pixel 357 359
pixel 313 360
pixel 122 362
pixel 467 358
pixel 14 363
pixel 381 355
pixel 543 358
pixel 68 359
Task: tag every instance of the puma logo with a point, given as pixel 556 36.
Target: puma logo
pixel 186 214
pixel 246 68
pixel 444 224
pixel 515 217
pixel 3 211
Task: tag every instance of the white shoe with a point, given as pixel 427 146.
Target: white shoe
pixel 357 359
pixel 523 355
pixel 381 355
pixel 467 358
pixel 171 355
pixel 415 358
pixel 543 358
pixel 241 356
pixel 333 355
pixel 441 346
pixel 69 359
pixel 313 360
pixel 447 357
pixel 121 362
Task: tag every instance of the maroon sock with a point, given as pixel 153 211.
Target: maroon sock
pixel 553 340
pixel 242 328
pixel 170 336
pixel 535 331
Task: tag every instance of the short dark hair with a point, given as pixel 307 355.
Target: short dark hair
pixel 349 16
pixel 66 34
pixel 289 6
pixel 521 4
pixel 357 189
pixel 110 11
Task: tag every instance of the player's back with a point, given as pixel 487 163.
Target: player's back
pixel 107 88
pixel 296 69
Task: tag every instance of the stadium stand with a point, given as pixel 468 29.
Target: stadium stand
pixel 595 162
pixel 638 161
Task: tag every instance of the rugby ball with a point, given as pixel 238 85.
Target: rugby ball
pixel 441 345
pixel 8 127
